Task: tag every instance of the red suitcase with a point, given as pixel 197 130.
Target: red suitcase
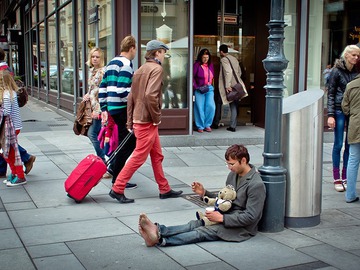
pixel 84 177
pixel 88 174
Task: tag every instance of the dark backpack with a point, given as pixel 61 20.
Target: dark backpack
pixel 22 94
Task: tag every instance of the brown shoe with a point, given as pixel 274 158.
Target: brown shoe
pixel 29 164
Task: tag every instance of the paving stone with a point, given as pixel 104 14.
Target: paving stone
pixel 331 254
pixel 46 216
pixel 19 206
pixel 269 253
pixel 60 262
pixel 54 233
pixel 9 239
pixel 120 252
pixel 5 222
pixel 48 250
pixel 15 259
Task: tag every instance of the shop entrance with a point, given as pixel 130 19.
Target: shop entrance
pixel 240 25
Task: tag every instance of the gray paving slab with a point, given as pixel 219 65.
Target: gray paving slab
pixel 48 250
pixel 340 237
pixel 190 255
pixel 13 194
pixel 15 259
pixel 292 238
pixel 59 262
pixel 258 252
pixel 19 206
pixel 120 252
pixel 54 233
pixel 330 254
pixel 50 215
pixel 9 239
pixel 5 222
pixel 48 193
pixel 211 266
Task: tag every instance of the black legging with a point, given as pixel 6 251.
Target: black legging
pixel 121 157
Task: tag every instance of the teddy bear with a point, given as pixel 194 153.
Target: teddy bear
pixel 221 203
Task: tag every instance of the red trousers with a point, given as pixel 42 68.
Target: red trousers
pixel 147 142
pixel 15 170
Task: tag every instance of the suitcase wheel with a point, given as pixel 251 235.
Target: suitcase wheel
pixel 77 201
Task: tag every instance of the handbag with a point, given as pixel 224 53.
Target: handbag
pixel 238 90
pixel 205 88
pixel 22 94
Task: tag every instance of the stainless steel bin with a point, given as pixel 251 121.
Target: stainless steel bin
pixel 302 145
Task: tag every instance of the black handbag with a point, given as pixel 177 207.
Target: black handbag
pixel 238 90
pixel 203 89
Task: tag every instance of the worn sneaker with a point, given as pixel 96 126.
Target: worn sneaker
pixel 9 178
pixel 338 185
pixel 16 182
pixel 131 186
pixel 107 175
pixel 344 182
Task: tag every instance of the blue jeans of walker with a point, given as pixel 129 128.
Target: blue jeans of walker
pixel 204 108
pixel 352 171
pixel 192 232
pixel 24 158
pixel 340 121
pixel 93 133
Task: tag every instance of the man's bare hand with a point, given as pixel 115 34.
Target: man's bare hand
pixel 214 216
pixel 198 188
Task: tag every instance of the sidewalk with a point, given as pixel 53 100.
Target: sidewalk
pixel 41 228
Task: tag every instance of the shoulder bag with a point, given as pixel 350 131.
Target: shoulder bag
pixel 205 88
pixel 238 90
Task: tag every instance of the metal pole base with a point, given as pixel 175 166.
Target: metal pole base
pixel 302 222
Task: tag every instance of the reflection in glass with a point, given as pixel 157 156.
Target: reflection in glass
pixel 104 26
pixel 66 50
pixel 52 53
pixel 41 71
pixel 168 24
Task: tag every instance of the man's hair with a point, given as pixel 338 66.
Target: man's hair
pixel 237 151
pixel 151 54
pixel 127 43
pixel 224 48
pixel 2 54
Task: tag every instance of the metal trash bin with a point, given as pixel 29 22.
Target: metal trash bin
pixel 302 147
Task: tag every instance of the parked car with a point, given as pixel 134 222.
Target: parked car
pixel 67 80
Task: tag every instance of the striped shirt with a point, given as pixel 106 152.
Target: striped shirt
pixel 11 108
pixel 115 85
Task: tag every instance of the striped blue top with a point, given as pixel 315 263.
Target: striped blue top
pixel 115 85
pixel 11 108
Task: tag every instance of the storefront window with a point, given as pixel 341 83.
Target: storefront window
pixel 41 10
pixel 50 6
pixel 314 79
pixel 66 50
pixel 168 21
pixel 41 71
pixel 100 31
pixel 290 19
pixel 53 68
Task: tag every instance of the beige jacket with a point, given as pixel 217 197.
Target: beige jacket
pixel 227 74
pixel 351 107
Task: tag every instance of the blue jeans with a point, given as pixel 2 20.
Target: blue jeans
pixel 340 121
pixel 93 133
pixel 192 232
pixel 352 171
pixel 24 158
pixel 204 109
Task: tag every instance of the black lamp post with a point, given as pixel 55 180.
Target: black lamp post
pixel 271 171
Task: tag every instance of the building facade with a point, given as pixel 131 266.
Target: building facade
pixel 47 43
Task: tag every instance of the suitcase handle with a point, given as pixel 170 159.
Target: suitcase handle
pixel 120 146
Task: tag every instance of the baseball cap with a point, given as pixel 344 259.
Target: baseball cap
pixel 155 45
